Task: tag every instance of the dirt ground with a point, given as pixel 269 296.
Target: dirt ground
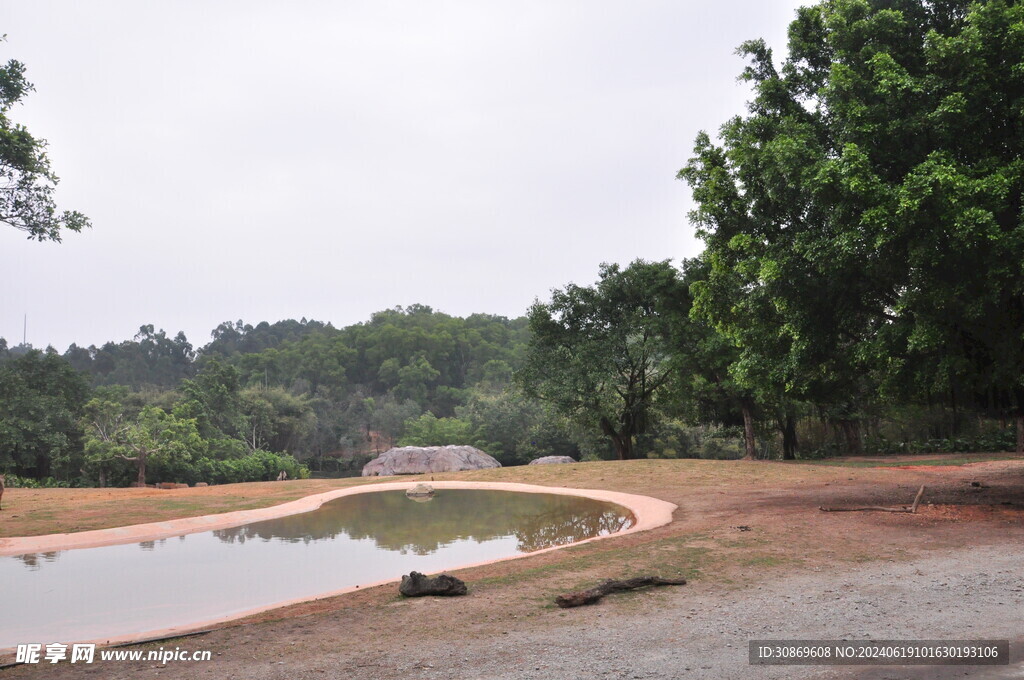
pixel 762 560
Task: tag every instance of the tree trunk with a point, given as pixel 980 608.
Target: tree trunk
pixel 628 453
pixel 851 432
pixel 623 443
pixel 748 430
pixel 141 465
pixel 1018 396
pixel 789 441
pixel 1020 433
pixel 956 412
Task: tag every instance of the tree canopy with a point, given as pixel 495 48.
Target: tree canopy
pixel 863 221
pixel 601 353
pixel 27 183
pixel 41 400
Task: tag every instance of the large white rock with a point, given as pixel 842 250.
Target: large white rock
pixel 552 460
pixel 414 460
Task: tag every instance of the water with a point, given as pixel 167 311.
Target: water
pixel 99 593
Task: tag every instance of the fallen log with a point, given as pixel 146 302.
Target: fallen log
pixel 611 586
pixel 877 508
pixel 418 585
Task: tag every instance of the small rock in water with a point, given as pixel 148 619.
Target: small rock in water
pixel 420 491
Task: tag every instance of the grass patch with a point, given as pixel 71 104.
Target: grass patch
pixel 952 460
pixel 767 560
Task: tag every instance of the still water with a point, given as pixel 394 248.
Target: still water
pixel 118 590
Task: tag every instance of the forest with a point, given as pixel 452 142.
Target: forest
pixel 860 291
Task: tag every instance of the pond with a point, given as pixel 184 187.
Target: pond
pixel 356 540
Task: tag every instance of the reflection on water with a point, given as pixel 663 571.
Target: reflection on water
pixel 395 522
pixel 34 560
pixel 360 539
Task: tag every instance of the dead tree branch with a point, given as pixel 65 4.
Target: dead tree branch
pixel 594 594
pixel 877 508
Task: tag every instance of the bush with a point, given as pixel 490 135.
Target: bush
pixel 257 466
pixel 16 482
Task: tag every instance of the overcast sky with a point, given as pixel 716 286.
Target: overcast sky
pixel 271 160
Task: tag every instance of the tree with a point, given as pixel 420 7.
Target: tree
pixel 515 429
pixel 41 399
pixel 213 399
pixel 154 435
pixel 865 217
pixel 27 183
pixel 390 416
pixel 600 354
pixel 711 386
pixel 274 420
pixel 429 430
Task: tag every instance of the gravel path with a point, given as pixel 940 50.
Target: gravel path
pixel 691 632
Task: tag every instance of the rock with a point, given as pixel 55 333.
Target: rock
pixel 420 491
pixel 414 460
pixel 552 460
pixel 198 484
pixel 167 485
pixel 418 585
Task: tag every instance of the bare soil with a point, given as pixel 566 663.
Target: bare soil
pixel 761 559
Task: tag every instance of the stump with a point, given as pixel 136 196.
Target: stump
pixel 418 585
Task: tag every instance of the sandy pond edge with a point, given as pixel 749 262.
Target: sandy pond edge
pixel 648 512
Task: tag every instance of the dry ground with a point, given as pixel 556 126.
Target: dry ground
pixel 762 560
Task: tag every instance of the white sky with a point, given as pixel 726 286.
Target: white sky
pixel 265 160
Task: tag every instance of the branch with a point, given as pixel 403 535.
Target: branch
pixel 594 594
pixel 878 508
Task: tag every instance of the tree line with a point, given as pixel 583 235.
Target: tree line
pixel 860 290
pixel 863 242
pixel 259 400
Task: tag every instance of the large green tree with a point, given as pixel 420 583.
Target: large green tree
pixel 151 436
pixel 27 182
pixel 600 353
pixel 867 209
pixel 714 387
pixel 41 399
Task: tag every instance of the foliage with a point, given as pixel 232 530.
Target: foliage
pixel 231 339
pixel 429 430
pixel 275 420
pixel 601 354
pixel 862 222
pixel 41 399
pixel 254 466
pixel 153 436
pixel 164 446
pixel 515 429
pixel 27 182
pixel 16 482
pixel 151 359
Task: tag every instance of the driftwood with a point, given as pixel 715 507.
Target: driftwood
pixel 418 585
pixel 877 508
pixel 594 594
